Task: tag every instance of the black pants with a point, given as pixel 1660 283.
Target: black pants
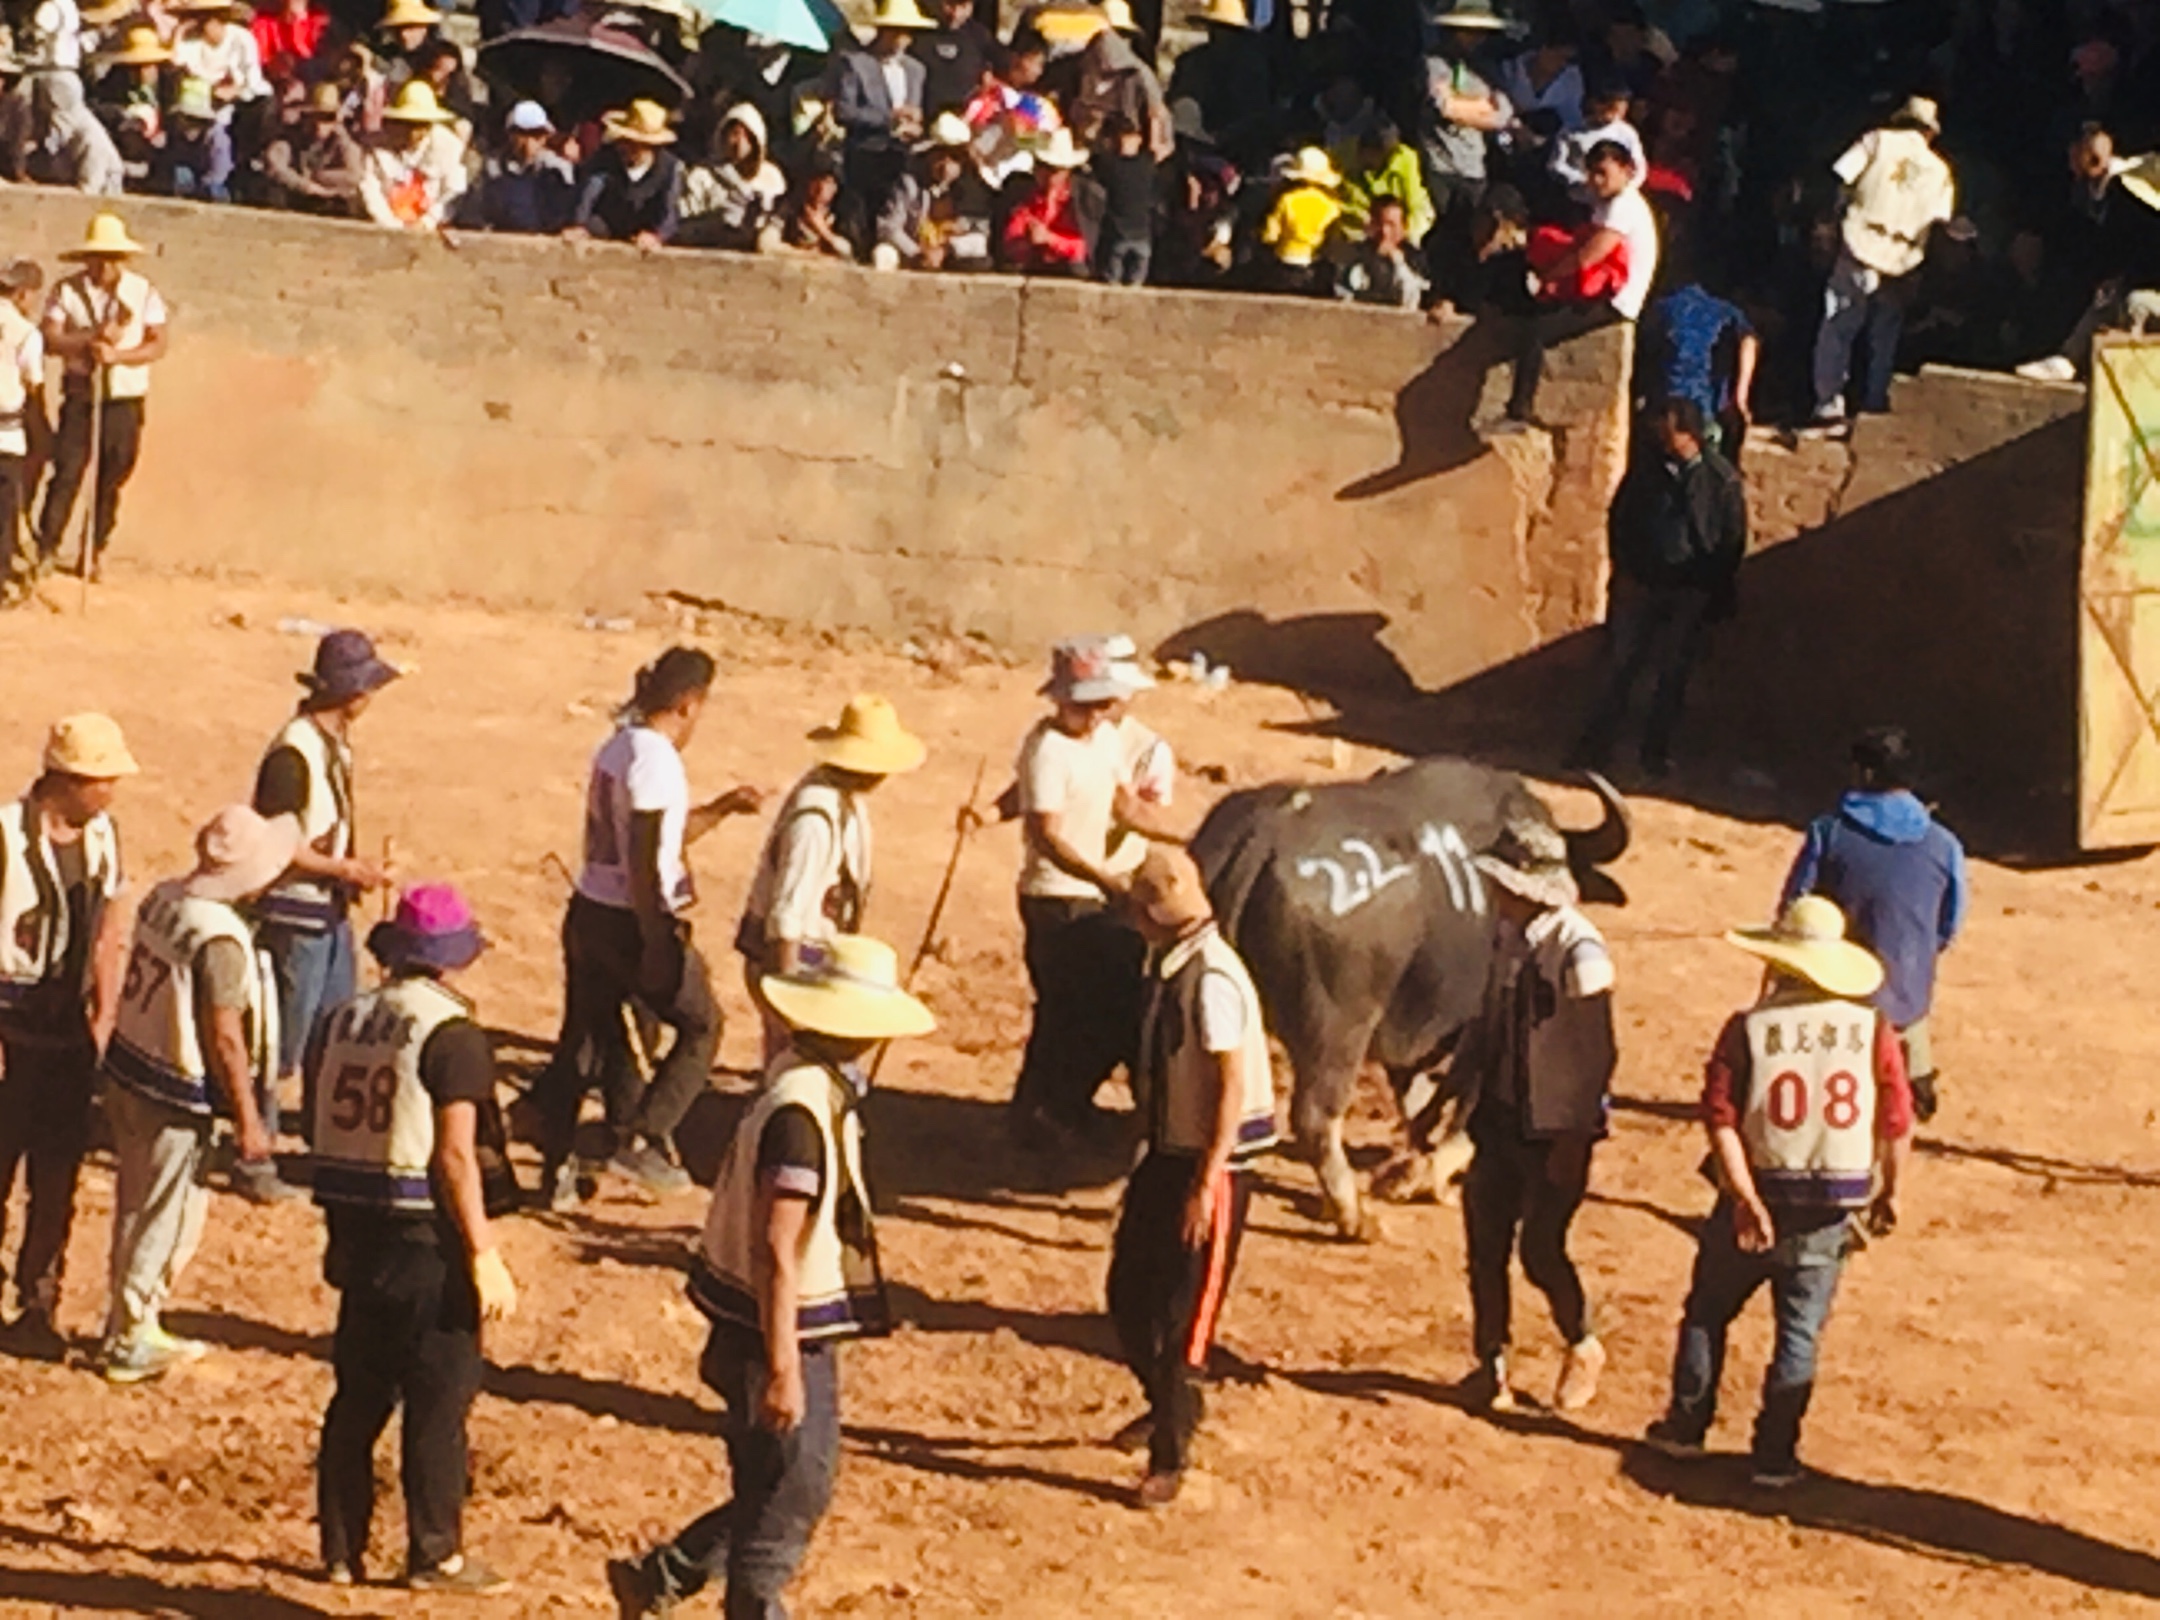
pixel 45 1108
pixel 1547 330
pixel 1508 1193
pixel 1085 966
pixel 1450 247
pixel 1165 1298
pixel 18 552
pixel 601 950
pixel 119 443
pixel 408 1332
pixel 1647 630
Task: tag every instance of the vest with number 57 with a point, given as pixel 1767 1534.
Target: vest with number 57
pixel 157 1050
pixel 374 1116
pixel 1809 1125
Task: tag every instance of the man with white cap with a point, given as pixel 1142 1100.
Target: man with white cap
pixel 528 188
pixel 786 1271
pixel 813 875
pixel 61 934
pixel 1810 1120
pixel 1091 791
pixel 195 1035
pixel 1536 1076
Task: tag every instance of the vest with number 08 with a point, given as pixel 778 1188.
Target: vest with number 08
pixel 309 904
pixel 374 1115
pixel 156 1050
pixel 842 1293
pixel 34 915
pixel 1809 1126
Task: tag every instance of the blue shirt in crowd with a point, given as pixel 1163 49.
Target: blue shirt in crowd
pixel 1693 339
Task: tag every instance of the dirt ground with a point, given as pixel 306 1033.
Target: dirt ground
pixel 1983 1428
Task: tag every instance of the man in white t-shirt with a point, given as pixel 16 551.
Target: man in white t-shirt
pixel 626 938
pixel 1093 786
pixel 25 430
pixel 1897 191
pixel 1621 224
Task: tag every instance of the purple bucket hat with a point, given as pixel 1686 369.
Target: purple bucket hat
pixel 346 667
pixel 433 928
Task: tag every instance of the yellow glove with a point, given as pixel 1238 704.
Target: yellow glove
pixel 491 1279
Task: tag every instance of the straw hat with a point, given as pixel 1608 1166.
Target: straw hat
pixel 108 12
pixel 899 14
pixel 89 746
pixel 415 103
pixel 409 14
pixel 1311 167
pixel 1118 14
pixel 850 992
pixel 2142 179
pixel 1472 14
pixel 869 740
pixel 1230 13
pixel 948 132
pixel 1529 859
pixel 325 99
pixel 433 928
pixel 107 238
pixel 1922 111
pixel 1809 942
pixel 193 100
pixel 642 123
pixel 1060 151
pixel 140 47
pixel 241 853
pixel 1169 891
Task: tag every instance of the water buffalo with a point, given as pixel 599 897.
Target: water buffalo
pixel 1367 928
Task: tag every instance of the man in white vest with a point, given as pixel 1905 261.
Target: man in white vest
pixel 406 1133
pixel 195 1035
pixel 24 430
pixel 62 930
pixel 1206 1092
pixel 1536 1073
pixel 106 325
pixel 813 875
pixel 786 1271
pixel 306 923
pixel 1810 1118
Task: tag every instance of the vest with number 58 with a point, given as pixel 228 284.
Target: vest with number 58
pixel 1809 1125
pixel 374 1116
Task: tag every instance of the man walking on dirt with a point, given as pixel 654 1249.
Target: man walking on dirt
pixel 306 922
pixel 626 937
pixel 62 931
pixel 106 326
pixel 1899 875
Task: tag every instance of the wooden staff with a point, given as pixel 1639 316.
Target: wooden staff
pixel 90 507
pixel 964 828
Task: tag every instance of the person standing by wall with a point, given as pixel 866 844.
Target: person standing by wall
pixel 1618 252
pixel 62 931
pixel 405 1125
pixel 106 325
pixel 25 430
pixel 1899 875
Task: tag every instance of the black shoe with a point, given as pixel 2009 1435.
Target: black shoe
pixel 1924 1100
pixel 1672 1438
pixel 638 1591
pixel 1776 1473
pixel 460 1574
pixel 33 1337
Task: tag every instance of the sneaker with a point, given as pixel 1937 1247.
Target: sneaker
pixel 1781 1475
pixel 649 1165
pixel 343 1575
pixel 457 1574
pixel 182 1351
pixel 1669 1437
pixel 1579 1376
pixel 261 1184
pixel 33 1337
pixel 560 1191
pixel 1159 1490
pixel 638 1590
pixel 1487 1387
pixel 137 1359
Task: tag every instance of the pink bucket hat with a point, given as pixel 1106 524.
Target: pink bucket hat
pixel 239 854
pixel 434 928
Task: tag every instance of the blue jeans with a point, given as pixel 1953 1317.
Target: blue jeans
pixel 1802 1271
pixel 783 1483
pixel 1125 264
pixel 315 973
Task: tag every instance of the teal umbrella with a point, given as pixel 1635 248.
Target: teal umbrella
pixel 808 25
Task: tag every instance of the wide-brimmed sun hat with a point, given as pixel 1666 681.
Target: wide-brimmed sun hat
pixel 1922 111
pixel 1061 151
pixel 1472 14
pixel 1529 859
pixel 1229 13
pixel 868 739
pixel 948 132
pixel 1168 889
pixel 89 746
pixel 1809 942
pixel 140 47
pixel 1118 14
pixel 850 990
pixel 1312 167
pixel 899 14
pixel 346 667
pixel 239 853
pixel 409 14
pixel 433 928
pixel 415 103
pixel 1095 669
pixel 642 123
pixel 107 238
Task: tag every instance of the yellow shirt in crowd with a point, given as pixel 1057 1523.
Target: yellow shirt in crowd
pixel 1300 224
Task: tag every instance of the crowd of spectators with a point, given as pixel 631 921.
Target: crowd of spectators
pixel 1792 196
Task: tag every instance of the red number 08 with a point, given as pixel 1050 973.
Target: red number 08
pixel 1787 1103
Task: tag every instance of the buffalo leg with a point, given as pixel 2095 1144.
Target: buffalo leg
pixel 1319 1128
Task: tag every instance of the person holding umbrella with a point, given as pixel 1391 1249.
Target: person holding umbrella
pixel 633 192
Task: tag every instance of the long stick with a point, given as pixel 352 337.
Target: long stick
pixel 97 446
pixel 961 834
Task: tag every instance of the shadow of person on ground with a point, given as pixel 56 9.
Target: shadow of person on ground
pixel 963 1459
pixel 1433 414
pixel 67 1592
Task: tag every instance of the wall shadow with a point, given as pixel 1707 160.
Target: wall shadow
pixel 1434 411
pixel 1338 657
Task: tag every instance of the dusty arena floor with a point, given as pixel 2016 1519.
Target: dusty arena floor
pixel 1984 1430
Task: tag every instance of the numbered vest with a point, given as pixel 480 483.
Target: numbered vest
pixel 1810 1120
pixel 315 905
pixel 1177 1079
pixel 843 1294
pixel 156 1050
pixel 843 888
pixel 374 1116
pixel 16 329
pixel 34 919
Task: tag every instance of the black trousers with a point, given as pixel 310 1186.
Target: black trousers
pixel 601 949
pixel 18 551
pixel 1545 330
pixel 45 1110
pixel 119 444
pixel 1663 631
pixel 408 1333
pixel 1165 1298
pixel 1510 1194
pixel 1086 968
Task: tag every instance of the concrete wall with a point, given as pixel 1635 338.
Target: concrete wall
pixel 527 422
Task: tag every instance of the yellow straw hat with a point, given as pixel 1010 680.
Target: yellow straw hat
pixel 1118 14
pixel 90 746
pixel 899 14
pixel 851 992
pixel 415 103
pixel 140 47
pixel 409 14
pixel 1809 942
pixel 1311 167
pixel 107 238
pixel 643 122
pixel 868 739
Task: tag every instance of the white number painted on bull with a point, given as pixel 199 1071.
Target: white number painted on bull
pixel 1360 874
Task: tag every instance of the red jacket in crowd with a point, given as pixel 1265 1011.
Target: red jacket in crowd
pixel 1051 206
